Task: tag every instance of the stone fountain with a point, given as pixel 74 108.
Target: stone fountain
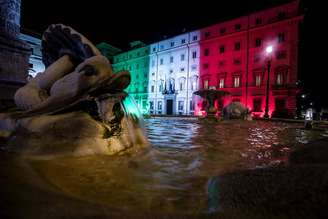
pixel 77 106
pixel 211 96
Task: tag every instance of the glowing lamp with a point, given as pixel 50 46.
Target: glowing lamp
pixel 269 49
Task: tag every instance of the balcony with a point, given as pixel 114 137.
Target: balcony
pixel 170 91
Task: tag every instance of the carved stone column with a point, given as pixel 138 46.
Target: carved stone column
pixel 14 54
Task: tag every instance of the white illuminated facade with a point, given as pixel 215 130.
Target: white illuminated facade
pixel 173 74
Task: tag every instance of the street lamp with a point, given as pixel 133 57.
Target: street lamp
pixel 268 50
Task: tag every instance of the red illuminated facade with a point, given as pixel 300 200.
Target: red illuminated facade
pixel 233 58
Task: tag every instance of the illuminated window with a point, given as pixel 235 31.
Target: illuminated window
pixel 192 106
pixel 258 80
pixel 159 105
pixel 206 84
pixel 194 54
pixel 221 83
pixel 281 37
pixel 206 52
pixel 237 46
pixel 236 81
pixel 182 57
pixel 223 30
pixel 279 79
pixel 258 42
pixel 180 105
pixel 221 49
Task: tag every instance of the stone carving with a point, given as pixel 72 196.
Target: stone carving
pixel 236 110
pixel 76 106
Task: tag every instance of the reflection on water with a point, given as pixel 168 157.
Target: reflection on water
pixel 171 176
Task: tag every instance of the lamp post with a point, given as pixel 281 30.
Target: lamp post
pixel 268 50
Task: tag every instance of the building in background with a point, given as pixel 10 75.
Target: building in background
pixel 226 56
pixel 136 61
pixel 34 41
pixel 108 50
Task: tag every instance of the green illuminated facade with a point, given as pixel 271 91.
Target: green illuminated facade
pixel 136 61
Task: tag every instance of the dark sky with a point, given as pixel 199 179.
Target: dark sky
pixel 125 21
pixel 121 22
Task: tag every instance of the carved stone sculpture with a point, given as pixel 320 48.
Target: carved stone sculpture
pixel 76 106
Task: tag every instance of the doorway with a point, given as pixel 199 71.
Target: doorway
pixel 169 107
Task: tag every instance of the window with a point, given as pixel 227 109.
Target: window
pixel 171 59
pixel 221 83
pixel 194 54
pixel 172 88
pixel 258 42
pixel 206 52
pixel 145 75
pixel 151 105
pixel 172 44
pixel 221 49
pixel 160 87
pixel 221 63
pixel 258 21
pixel 257 58
pixel 162 47
pixel 154 49
pixel 161 61
pixel 145 89
pixel 182 57
pixel 191 106
pixel 281 15
pixel 183 41
pixel 193 84
pixel 171 71
pixel 279 79
pixel 237 27
pixel 152 88
pixel 257 105
pixel 159 105
pixel 153 74
pixel 237 61
pixel 281 37
pixel 237 46
pixel 152 63
pixel 205 65
pixel 236 81
pixel 205 84
pixel 258 80
pixel 182 69
pixel 180 105
pixel 207 34
pixel 223 30
pixel 281 54
pixel 181 86
pixel 193 67
pixel 195 37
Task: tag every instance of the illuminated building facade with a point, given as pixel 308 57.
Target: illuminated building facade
pixel 35 60
pixel 226 56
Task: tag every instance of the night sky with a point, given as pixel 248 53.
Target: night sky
pixel 122 22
